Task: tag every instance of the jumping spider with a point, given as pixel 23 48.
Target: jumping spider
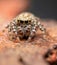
pixel 24 26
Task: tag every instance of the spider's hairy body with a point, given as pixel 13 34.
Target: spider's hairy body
pixel 25 26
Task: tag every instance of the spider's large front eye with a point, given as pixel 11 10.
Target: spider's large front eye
pixel 21 21
pixel 26 22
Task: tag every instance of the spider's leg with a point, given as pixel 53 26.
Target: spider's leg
pixel 12 35
pixel 44 32
pixel 41 27
pixel 20 32
pixel 27 30
pixel 33 33
pixel 12 32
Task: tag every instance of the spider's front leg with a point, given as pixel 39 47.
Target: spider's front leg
pixel 20 33
pixel 33 33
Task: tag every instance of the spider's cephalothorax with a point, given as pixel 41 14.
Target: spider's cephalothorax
pixel 24 26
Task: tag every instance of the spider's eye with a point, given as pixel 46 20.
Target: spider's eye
pixel 26 22
pixel 21 21
pixel 18 22
pixel 29 22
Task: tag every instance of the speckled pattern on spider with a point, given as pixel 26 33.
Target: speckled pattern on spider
pixel 24 26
